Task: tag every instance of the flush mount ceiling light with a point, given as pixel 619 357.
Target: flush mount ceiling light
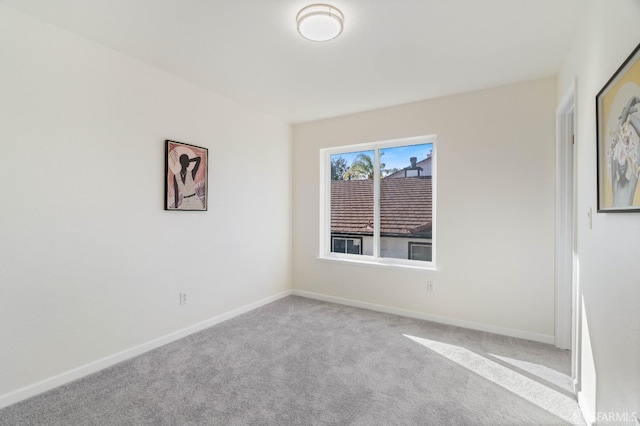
pixel 320 22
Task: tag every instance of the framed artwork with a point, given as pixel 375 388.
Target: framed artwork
pixel 618 139
pixel 186 170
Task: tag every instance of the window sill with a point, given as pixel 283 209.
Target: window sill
pixel 375 264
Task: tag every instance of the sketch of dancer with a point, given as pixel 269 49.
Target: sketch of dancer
pixel 183 184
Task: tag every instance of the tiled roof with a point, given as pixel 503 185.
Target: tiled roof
pixel 405 206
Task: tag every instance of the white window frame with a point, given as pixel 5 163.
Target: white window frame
pixel 325 252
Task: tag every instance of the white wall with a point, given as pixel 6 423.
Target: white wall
pixel 90 263
pixel 495 209
pixel 609 271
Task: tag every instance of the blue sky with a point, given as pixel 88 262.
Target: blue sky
pixel 397 157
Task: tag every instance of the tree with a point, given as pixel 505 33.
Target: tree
pixel 387 172
pixel 338 168
pixel 362 168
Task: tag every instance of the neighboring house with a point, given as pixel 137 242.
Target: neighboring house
pixel 420 168
pixel 405 217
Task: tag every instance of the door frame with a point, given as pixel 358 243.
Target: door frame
pixel 565 274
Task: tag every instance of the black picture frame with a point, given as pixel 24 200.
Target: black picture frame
pixel 186 175
pixel 618 139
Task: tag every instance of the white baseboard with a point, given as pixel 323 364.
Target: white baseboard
pixel 543 338
pixel 574 386
pixel 588 413
pixel 100 364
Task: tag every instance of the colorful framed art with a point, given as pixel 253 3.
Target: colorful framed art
pixel 186 174
pixel 618 139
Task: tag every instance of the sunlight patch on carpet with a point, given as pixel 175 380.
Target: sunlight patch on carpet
pixel 539 370
pixel 542 396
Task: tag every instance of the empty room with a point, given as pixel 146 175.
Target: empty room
pixel 281 212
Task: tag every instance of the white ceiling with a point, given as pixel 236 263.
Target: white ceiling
pixel 391 51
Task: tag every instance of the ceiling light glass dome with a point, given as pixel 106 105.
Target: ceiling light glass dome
pixel 320 22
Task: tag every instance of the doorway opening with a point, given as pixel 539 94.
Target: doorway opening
pixel 566 235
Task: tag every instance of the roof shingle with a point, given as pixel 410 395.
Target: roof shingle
pixel 405 207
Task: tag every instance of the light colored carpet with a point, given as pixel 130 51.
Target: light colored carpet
pixel 304 362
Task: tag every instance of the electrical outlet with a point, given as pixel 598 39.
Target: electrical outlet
pixel 431 287
pixel 183 298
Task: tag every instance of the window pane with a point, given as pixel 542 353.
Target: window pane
pixel 406 196
pixel 352 200
pixel 339 245
pixel 353 246
pixel 420 252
